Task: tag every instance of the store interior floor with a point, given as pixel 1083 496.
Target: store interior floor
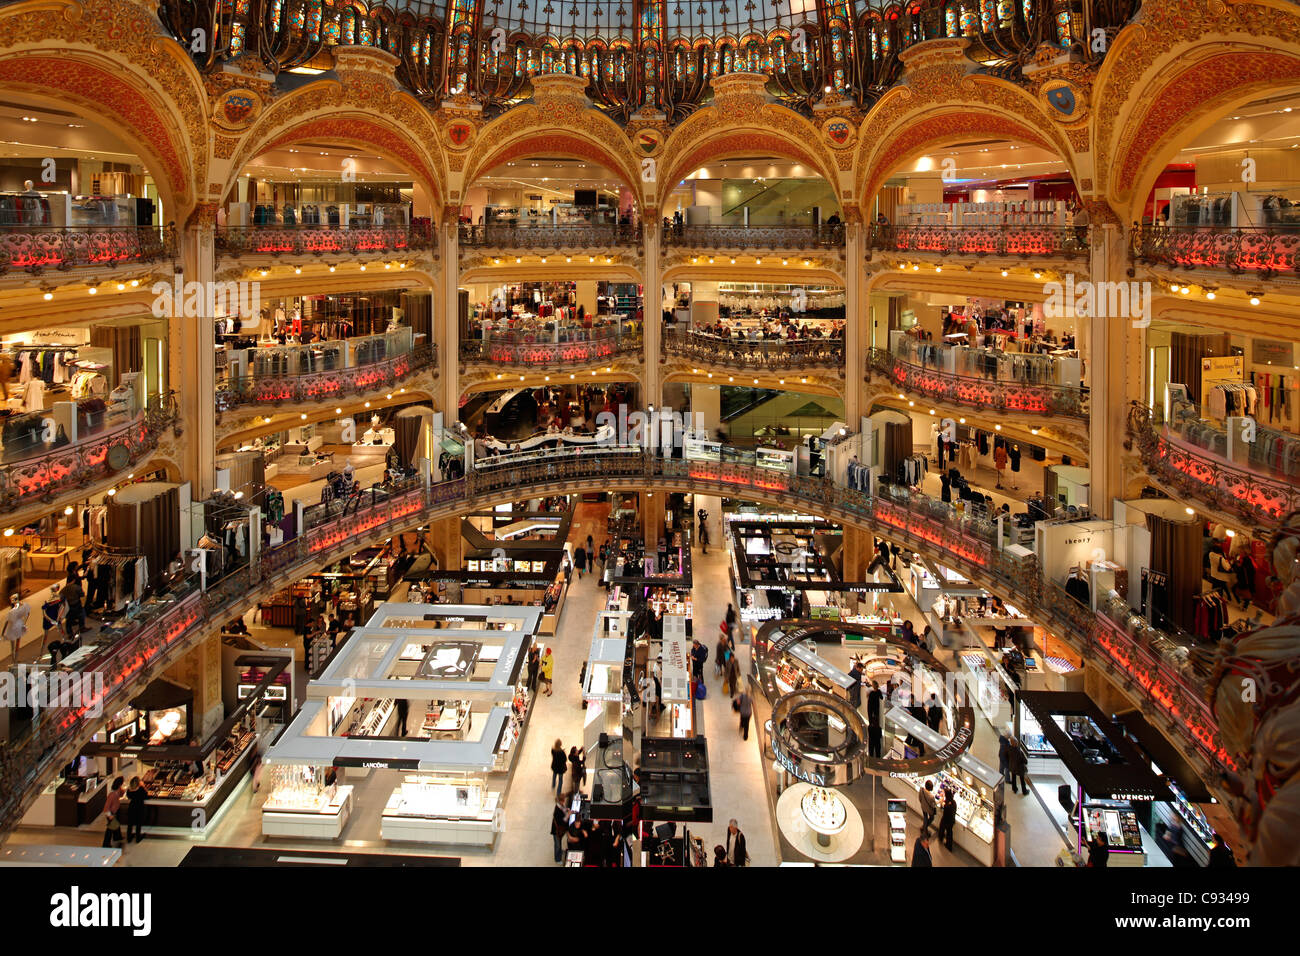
pixel 736 765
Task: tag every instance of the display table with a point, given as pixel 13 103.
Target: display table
pixel 309 447
pixel 418 813
pixel 809 815
pixel 323 822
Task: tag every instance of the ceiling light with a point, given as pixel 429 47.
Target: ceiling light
pixel 303 416
pixel 92 290
pixel 331 268
pixel 1254 298
pixel 997 428
pixel 1210 296
pixel 1190 511
pixel 48 296
pixel 1186 289
pixel 1004 273
pixel 297 270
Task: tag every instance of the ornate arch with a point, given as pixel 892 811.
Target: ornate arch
pixel 744 123
pixel 359 109
pixel 107 61
pixel 1175 71
pixel 945 104
pixel 559 122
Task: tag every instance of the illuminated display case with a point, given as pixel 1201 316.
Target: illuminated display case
pixel 301 804
pixel 442 809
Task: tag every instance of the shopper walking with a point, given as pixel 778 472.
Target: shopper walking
pixel 855 688
pixel 731 624
pixel 928 807
pixel 699 654
pixel 1000 462
pixel 135 810
pixel 745 707
pixel 737 853
pixel 559 822
pixel 875 733
pixel 580 560
pixel 113 814
pixel 74 621
pixel 1017 764
pixel 1004 752
pixel 934 714
pixel 403 708
pixel 731 679
pixel 881 560
pixel 578 767
pixel 921 851
pixel 559 763
pixel 720 652
pixel 548 671
pixel 591 548
pixel 947 819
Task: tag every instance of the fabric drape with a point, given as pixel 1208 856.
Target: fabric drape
pixel 1185 353
pixel 1176 553
pixel 406 437
pixel 150 528
pixel 124 341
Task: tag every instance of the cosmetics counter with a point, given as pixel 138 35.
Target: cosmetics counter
pixel 977 786
pixel 461 669
pixel 1105 785
pixel 305 801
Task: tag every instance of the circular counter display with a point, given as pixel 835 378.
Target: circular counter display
pixel 820 823
pixel 825 813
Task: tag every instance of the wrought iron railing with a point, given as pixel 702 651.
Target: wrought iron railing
pixel 1264 251
pixel 276 241
pixel 37 248
pixel 767 355
pixel 749 238
pixel 550 237
pixel 1011 241
pixel 41 478
pixel 980 393
pixel 1198 476
pixel 507 350
pixel 323 386
pixel 1157 672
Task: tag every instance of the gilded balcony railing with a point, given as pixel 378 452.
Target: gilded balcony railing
pixel 1230 489
pixel 66 468
pixel 548 237
pixel 1155 670
pixel 37 248
pixel 312 240
pixel 508 350
pixel 747 238
pixel 1008 241
pixel 273 390
pixel 980 393
pixel 1265 251
pixel 763 355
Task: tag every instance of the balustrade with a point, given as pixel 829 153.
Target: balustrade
pixel 1263 251
pixel 276 241
pixel 246 390
pixel 37 248
pixel 758 355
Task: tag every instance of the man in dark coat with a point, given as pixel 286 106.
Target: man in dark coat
pixel 921 851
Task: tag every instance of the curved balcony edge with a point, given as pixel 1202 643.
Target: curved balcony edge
pixel 1251 497
pixel 981 394
pixel 1157 679
pixel 760 356
pixel 34 249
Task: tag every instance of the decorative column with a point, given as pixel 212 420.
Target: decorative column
pixel 446 320
pixel 652 519
pixel 194 352
pixel 857 316
pixel 652 292
pixel 1114 349
pixel 445 541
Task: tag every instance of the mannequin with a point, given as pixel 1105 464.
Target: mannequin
pixel 15 623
